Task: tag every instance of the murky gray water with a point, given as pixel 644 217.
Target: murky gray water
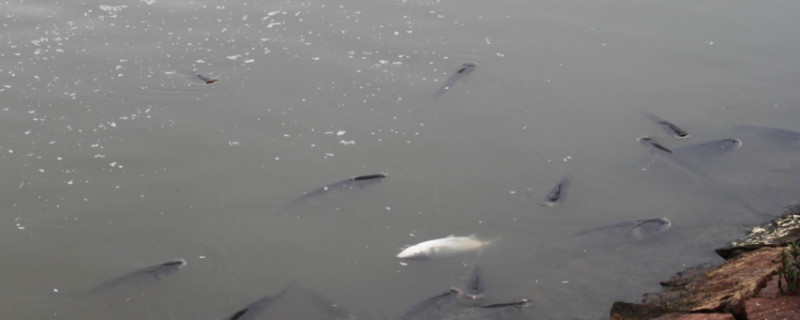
pixel 116 155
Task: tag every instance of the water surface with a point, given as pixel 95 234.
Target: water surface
pixel 115 157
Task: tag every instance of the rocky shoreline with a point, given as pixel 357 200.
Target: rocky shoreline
pixel 744 287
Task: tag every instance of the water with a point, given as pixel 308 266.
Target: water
pixel 115 157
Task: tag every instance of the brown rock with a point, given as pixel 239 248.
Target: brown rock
pixel 697 316
pixel 771 304
pixel 723 289
pixel 632 311
pixel 784 307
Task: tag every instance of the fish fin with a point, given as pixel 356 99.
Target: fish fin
pixel 472 236
pixel 450 236
pixel 486 243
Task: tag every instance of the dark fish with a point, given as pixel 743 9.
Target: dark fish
pixel 433 307
pixel 359 182
pixel 557 193
pixel 475 288
pixel 666 154
pixel 637 229
pixel 709 149
pixel 254 309
pixel 205 79
pixel 328 308
pixel 466 69
pixel 667 126
pixel 521 303
pixel 649 142
pixel 645 228
pixel 195 76
pixel 775 134
pixel 155 272
pixel 498 311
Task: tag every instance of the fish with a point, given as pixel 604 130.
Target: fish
pixel 254 309
pixel 776 134
pixel 328 308
pixel 498 311
pixel 443 248
pixel 205 79
pixel 645 228
pixel 666 125
pixel 649 142
pixel 154 272
pixel 666 154
pixel 639 229
pixel 358 182
pixel 709 149
pixel 431 307
pixel 195 76
pixel 555 195
pixel 465 69
pixel 475 288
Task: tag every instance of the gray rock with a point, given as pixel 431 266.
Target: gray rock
pixel 778 232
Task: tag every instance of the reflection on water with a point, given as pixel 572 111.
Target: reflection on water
pixel 117 152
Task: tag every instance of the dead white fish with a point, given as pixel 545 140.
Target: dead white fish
pixel 666 125
pixel 443 248
pixel 466 69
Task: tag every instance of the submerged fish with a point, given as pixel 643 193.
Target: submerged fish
pixel 254 309
pixel 709 149
pixel 775 134
pixel 555 195
pixel 475 288
pixel 498 311
pixel 466 69
pixel 649 142
pixel 639 229
pixel 328 308
pixel 155 272
pixel 358 182
pixel 195 76
pixel 674 160
pixel 667 126
pixel 443 248
pixel 433 307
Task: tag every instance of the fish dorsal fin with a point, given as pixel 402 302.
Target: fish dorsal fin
pixel 451 236
pixel 473 236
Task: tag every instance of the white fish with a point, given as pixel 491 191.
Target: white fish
pixel 443 248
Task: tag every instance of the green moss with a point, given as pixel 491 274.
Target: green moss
pixel 789 271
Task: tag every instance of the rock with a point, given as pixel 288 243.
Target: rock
pixel 632 311
pixel 770 304
pixel 784 307
pixel 723 289
pixel 697 316
pixel 779 232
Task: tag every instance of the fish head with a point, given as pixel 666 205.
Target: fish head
pixel 419 252
pixel 732 143
pixel 649 228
